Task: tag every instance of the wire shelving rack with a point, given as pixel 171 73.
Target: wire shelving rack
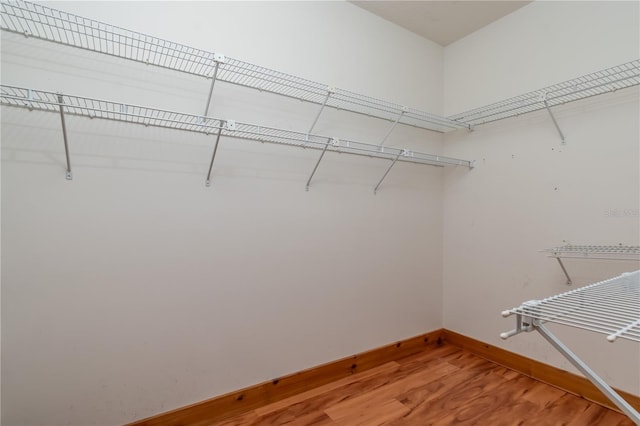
pixel 103 109
pixel 42 22
pixel 597 83
pixel 610 307
pixel 602 252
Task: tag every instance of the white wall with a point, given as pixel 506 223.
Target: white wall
pixel 543 43
pixel 528 191
pixel 134 289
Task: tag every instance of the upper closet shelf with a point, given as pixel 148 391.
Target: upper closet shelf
pixel 36 20
pixel 608 80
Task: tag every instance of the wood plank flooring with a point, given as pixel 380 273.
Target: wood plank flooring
pixel 441 386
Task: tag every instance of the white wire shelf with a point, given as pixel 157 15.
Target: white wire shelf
pixel 610 307
pixel 601 252
pixel 95 108
pixel 597 83
pixel 619 252
pixel 38 21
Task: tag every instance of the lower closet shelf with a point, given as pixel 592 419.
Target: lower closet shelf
pixel 610 307
pixel 95 108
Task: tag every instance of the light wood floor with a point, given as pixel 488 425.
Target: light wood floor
pixel 442 386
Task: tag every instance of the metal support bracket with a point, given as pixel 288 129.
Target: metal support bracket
pixel 68 173
pixel 330 141
pixel 393 126
pixel 30 98
pixel 588 373
pixel 543 98
pixel 330 91
pixel 228 125
pixel 564 270
pixel 402 152
pixel 524 323
pixel 218 59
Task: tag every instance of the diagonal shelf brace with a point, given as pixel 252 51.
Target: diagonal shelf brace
pixel 330 91
pixel 393 126
pixel 569 282
pixel 588 373
pixel 68 173
pixel 218 58
pixel 553 118
pixel 375 190
pixel 230 125
pixel 330 141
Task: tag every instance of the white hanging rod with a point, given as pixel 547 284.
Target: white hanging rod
pixel 95 108
pixel 38 21
pixel 608 80
pixel 600 252
pixel 610 307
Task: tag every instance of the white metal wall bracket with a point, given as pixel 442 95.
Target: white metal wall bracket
pixel 68 173
pixel 330 91
pixel 402 152
pixel 393 126
pixel 213 157
pixel 217 59
pixel 324 150
pixel 588 373
pixel 543 98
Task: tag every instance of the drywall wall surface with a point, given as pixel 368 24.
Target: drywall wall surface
pixel 529 192
pixel 543 43
pixel 134 289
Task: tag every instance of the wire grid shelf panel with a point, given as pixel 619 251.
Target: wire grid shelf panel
pixel 597 83
pixel 94 108
pixel 620 252
pixel 38 21
pixel 610 307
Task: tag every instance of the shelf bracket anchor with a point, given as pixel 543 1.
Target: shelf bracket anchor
pixel 330 91
pixel 229 125
pixel 553 118
pixel 403 151
pixel 393 126
pixel 68 173
pixel 330 141
pixel 613 396
pixel 218 59
pixel 524 323
pixel 564 270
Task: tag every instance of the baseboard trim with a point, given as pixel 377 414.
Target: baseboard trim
pixel 553 376
pixel 250 398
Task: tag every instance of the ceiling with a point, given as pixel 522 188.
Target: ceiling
pixel 441 21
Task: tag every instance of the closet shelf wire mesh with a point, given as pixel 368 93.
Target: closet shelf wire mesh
pixel 38 21
pixel 619 252
pixel 597 83
pixel 610 307
pixel 601 252
pixel 95 108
